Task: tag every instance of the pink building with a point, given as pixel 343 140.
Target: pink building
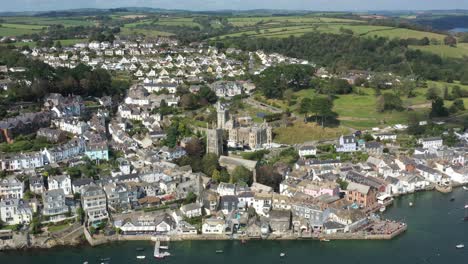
pixel 316 188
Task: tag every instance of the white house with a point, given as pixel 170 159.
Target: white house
pixel 262 203
pixel 435 142
pixel 73 126
pixel 307 150
pixel 346 144
pixel 191 210
pixel 15 211
pixel 61 182
pixel 226 189
pixel 213 226
pixel 11 187
pixel 385 136
pixel 428 173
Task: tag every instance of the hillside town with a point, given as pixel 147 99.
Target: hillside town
pixel 150 164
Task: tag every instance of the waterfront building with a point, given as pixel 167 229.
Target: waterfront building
pixel 55 206
pixel 191 210
pixel 213 226
pixel 15 211
pixel 94 203
pixel 362 195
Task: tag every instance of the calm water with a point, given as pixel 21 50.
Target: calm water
pixel 459 30
pixel 435 227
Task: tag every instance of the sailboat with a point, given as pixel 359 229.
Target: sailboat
pixel 466 212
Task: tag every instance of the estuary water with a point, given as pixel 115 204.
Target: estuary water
pixel 435 227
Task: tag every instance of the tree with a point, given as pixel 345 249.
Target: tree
pixel 340 86
pixel 195 147
pixel 389 102
pixel 267 175
pixel 191 198
pixel 207 94
pixel 305 107
pixel 241 174
pixel 210 163
pixel 457 92
pixel 58 44
pixel 343 184
pixel 216 176
pixel 438 108
pixel 432 93
pixel 275 80
pixel 446 93
pixel 450 41
pixel 458 105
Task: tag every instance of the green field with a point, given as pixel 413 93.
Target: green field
pixel 280 27
pixel 8 29
pixel 146 32
pixel 176 21
pixel 302 132
pixel 460 51
pixel 251 21
pixel 65 42
pixel 47 21
pixel 405 34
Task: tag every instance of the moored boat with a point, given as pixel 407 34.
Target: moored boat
pixel 382 209
pixel 162 255
pixel 141 257
pixel 219 251
pixel 282 254
pixel 460 246
pixel 465 188
pixel 411 204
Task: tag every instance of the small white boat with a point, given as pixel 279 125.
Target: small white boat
pixel 141 257
pixel 86 262
pixel 219 251
pixel 410 204
pixel 382 209
pixel 162 255
pixel 164 247
pixel 282 254
pixel 465 188
pixel 459 246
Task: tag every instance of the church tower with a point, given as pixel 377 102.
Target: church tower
pixel 214 141
pixel 222 115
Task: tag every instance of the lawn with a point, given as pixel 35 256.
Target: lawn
pixel 57 228
pixel 460 51
pixel 302 132
pixel 359 110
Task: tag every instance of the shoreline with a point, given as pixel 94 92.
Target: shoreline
pixel 45 243
pixel 50 243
